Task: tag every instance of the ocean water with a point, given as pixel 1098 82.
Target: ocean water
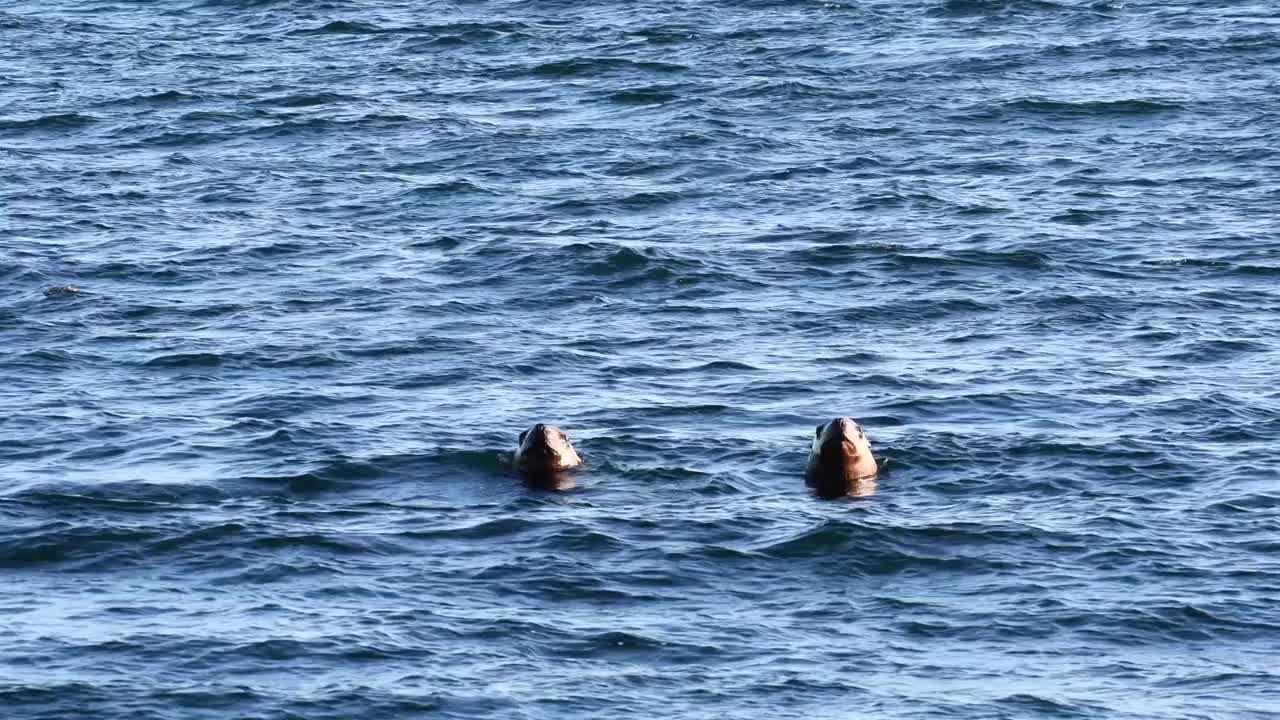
pixel 335 255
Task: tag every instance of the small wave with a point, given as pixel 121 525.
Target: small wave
pixel 486 461
pixel 1224 267
pixel 416 346
pixel 650 370
pixel 1187 262
pixel 458 186
pixel 1248 503
pixel 328 543
pixel 1015 259
pixel 184 360
pixel 202 536
pixel 240 4
pixel 642 96
pixel 162 271
pixel 274 249
pixel 894 312
pixel 862 357
pixel 118 497
pixel 633 202
pixel 859 131
pixel 1075 216
pixel 880 551
pixel 613 641
pixel 633 647
pixel 627 261
pixel 444 242
pixel 301 100
pixel 955 545
pixel 694 410
pixel 588 66
pixel 61 121
pixel 340 27
pixel 1264 270
pixel 1040 706
pixel 788 173
pixel 275 405
pixel 342 649
pixel 166 97
pixel 372 121
pixel 488 529
pixel 287 359
pixel 666 34
pixel 297 125
pixel 451 35
pixel 1091 108
pixel 1218 350
pixel 61 542
pixel 579 540
pixel 50 358
pixel 650 199
pixel 967 8
pixel 1179 622
pixel 723 366
pixel 785 91
pixel 336 477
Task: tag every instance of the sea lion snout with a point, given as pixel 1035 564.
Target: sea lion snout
pixel 841 427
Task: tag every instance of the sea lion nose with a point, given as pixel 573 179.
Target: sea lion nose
pixel 833 445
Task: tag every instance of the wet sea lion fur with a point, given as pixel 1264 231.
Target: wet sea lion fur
pixel 545 449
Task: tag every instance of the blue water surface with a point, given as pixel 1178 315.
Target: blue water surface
pixel 336 254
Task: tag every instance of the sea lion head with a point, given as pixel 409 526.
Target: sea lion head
pixel 545 449
pixel 840 456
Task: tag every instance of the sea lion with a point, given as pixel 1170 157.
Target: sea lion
pixel 63 291
pixel 544 451
pixel 840 460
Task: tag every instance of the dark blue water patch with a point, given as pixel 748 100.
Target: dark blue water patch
pixel 49 123
pixel 994 7
pixel 1119 108
pixel 120 497
pixel 300 101
pixel 644 95
pixel 164 97
pixel 603 65
pixel 59 544
pixel 341 27
pixel 181 361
